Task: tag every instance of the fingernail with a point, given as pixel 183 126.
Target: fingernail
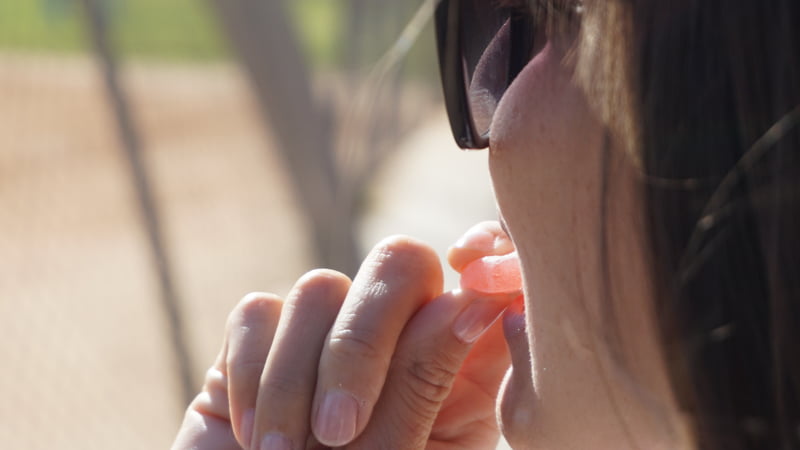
pixel 476 240
pixel 475 320
pixel 275 441
pixel 246 427
pixel 335 424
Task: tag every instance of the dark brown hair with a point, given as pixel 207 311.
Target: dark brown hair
pixel 705 95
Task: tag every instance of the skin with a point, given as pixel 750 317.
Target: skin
pixel 390 339
pixel 392 343
pixel 580 389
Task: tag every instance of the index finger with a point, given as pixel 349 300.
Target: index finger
pixel 399 275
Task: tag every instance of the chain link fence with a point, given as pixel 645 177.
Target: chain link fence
pixel 90 348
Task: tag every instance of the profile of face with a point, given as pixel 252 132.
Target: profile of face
pixel 588 372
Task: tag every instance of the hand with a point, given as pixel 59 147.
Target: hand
pixel 387 361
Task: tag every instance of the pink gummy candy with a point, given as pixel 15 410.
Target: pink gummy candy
pixel 493 275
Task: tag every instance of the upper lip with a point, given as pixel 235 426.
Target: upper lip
pixel 502 221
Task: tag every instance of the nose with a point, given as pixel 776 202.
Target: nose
pixel 489 80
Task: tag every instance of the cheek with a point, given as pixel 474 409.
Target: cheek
pixel 545 162
pixel 545 151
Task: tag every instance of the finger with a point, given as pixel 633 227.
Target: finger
pixel 428 358
pixel 206 425
pixel 290 375
pixel 250 329
pixel 483 239
pixel 489 358
pixel 398 276
pixel 467 417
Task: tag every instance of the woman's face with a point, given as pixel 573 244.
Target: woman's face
pixel 587 372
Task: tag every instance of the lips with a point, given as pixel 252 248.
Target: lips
pixel 484 248
pixel 484 239
pixel 482 251
pixel 514 331
pixel 488 263
pixel 493 274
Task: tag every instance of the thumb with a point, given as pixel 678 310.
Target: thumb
pixel 425 366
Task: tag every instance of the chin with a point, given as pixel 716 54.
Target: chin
pixel 514 409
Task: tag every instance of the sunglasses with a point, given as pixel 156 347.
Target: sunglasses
pixel 483 45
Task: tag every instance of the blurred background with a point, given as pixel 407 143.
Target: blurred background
pixel 160 159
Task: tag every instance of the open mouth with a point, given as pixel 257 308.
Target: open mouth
pixel 488 262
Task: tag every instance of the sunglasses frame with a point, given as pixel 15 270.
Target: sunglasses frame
pixel 449 45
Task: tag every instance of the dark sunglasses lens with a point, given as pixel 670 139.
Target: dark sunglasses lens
pixel 486 46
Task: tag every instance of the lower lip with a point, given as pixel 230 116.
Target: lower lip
pixel 514 325
pixel 503 225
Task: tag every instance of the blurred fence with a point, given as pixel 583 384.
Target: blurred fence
pixel 160 159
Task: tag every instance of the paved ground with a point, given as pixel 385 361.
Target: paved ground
pixel 87 364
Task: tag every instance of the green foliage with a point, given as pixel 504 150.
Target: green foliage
pixel 165 29
pixel 187 30
pixel 320 24
pixel 31 25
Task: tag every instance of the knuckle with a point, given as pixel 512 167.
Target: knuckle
pixel 255 305
pixel 258 302
pixel 406 259
pixel 400 241
pixel 284 385
pixel 322 283
pixel 243 366
pixel 323 276
pixel 215 379
pixel 404 248
pixel 355 344
pixel 429 382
